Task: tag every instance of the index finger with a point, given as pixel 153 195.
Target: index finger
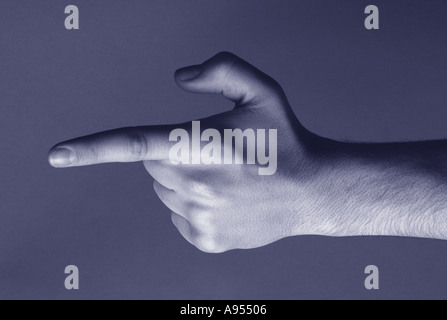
pixel 120 145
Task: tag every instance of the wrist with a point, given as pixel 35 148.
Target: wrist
pixel 346 195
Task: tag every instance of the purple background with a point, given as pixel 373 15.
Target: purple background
pixel 343 81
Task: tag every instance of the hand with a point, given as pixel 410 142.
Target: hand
pixel 317 186
pixel 217 207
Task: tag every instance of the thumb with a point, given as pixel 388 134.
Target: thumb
pixel 234 78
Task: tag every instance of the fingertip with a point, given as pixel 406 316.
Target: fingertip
pixel 61 157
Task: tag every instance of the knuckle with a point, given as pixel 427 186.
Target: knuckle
pixel 203 189
pixel 224 61
pixel 138 145
pixel 197 187
pixel 208 244
pixel 225 56
pixel 200 218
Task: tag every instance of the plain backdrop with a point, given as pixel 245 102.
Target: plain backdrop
pixel 343 81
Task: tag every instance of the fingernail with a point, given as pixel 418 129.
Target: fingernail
pixel 61 157
pixel 189 73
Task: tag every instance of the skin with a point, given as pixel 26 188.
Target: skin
pixel 321 187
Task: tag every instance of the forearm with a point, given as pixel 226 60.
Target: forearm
pixel 381 189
